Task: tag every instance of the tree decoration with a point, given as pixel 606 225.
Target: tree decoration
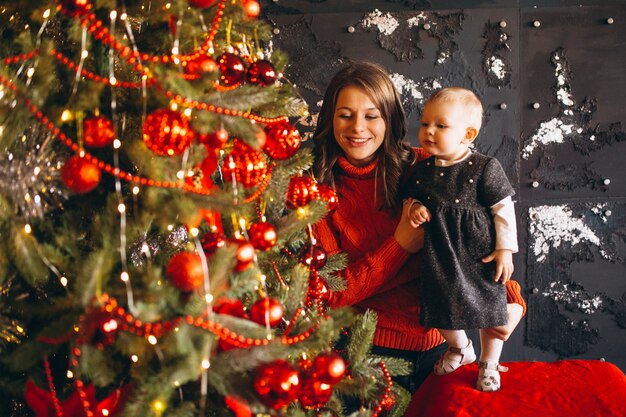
pixel 232 69
pixel 318 289
pixel 282 140
pixel 276 383
pixel 262 235
pixel 214 141
pixel 185 272
pixel 245 164
pixel 245 254
pixel 238 406
pixel 212 241
pixel 252 8
pixel 98 132
pixel 301 191
pixel 313 256
pixel 167 132
pixel 203 64
pixel 329 195
pixel 202 4
pixel 76 7
pixel 200 178
pixel 329 368
pixel 80 174
pixel 262 73
pixel 101 328
pixel 314 393
pixel 266 310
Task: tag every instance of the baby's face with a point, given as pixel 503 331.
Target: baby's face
pixel 445 131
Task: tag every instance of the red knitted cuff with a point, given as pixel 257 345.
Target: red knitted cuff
pixel 514 295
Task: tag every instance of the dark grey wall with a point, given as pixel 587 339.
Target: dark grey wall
pixel 565 157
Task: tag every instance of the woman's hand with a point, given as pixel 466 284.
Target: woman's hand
pixel 409 238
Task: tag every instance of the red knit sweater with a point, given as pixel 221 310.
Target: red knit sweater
pixel 380 274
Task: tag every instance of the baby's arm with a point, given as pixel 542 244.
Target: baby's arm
pixel 506 239
pixel 418 214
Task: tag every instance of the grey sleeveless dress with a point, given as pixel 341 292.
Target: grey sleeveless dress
pixel 457 289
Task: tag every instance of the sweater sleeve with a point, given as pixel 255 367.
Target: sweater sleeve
pixel 514 295
pixel 367 275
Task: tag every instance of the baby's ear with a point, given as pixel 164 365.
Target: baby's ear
pixel 470 135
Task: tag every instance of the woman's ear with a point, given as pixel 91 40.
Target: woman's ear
pixel 470 134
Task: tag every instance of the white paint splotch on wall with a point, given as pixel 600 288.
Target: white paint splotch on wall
pixel 384 22
pixel 552 226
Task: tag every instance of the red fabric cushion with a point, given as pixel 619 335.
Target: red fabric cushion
pixel 564 388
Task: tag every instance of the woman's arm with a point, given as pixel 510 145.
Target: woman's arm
pixel 376 269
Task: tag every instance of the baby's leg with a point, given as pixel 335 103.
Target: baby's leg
pixel 460 352
pixel 489 367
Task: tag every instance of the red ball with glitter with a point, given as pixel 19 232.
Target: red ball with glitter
pixel 245 255
pixel 318 289
pixel 262 73
pixel 282 140
pixel 314 257
pixel 245 164
pixel 276 383
pixel 329 195
pixel 262 235
pixel 98 132
pixel 301 191
pixel 266 310
pixel 329 368
pixel 185 272
pixel 167 132
pixel 211 242
pixel 314 393
pixel 232 69
pixel 202 4
pixel 80 175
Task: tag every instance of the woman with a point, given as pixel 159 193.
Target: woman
pixel 360 149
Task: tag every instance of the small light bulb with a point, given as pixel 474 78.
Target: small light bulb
pixel 63 281
pixel 134 358
pixel 194 231
pixel 135 190
pixel 124 276
pixel 121 208
pixel 117 143
pixel 84 54
pixel 208 298
pixel 46 14
pixel 27 228
pixel 112 80
pixel 206 364
pixel 180 175
pixel 113 14
pixel 152 340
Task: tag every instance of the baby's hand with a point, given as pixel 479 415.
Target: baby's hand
pixel 504 264
pixel 418 214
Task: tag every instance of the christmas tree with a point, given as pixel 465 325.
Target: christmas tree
pixel 156 212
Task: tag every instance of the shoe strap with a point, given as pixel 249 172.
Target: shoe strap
pixel 492 366
pixel 461 351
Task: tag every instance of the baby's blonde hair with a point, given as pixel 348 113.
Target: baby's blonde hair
pixel 466 98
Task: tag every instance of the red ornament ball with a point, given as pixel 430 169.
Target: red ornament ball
pixel 262 235
pixel 262 73
pixel 314 393
pixel 167 132
pixel 185 272
pixel 329 195
pixel 80 175
pixel 282 140
pixel 211 242
pixel 214 141
pixel 276 383
pixel 244 164
pixel 202 64
pixel 230 307
pixel 245 255
pixel 314 257
pixel 232 69
pixel 266 310
pixel 202 4
pixel 98 132
pixel 252 8
pixel 301 191
pixel 319 290
pixel 329 368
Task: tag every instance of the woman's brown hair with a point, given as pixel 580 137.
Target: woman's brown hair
pixel 394 155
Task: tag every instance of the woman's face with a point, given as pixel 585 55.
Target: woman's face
pixel 358 125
